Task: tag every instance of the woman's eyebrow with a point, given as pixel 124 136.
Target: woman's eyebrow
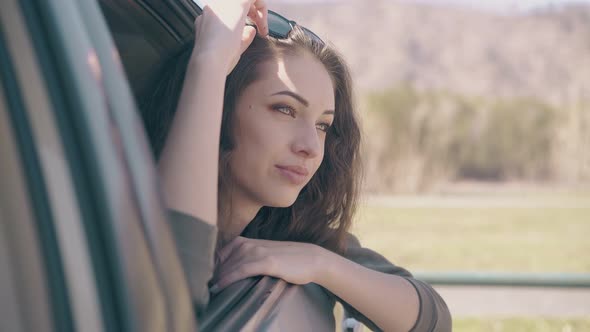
pixel 294 95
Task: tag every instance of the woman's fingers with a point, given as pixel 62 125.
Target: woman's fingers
pixel 247 37
pixel 232 264
pixel 221 33
pixel 239 251
pixel 294 262
pixel 243 271
pixel 243 250
pixel 259 13
pixel 227 250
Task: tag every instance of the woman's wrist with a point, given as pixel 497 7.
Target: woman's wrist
pixel 208 62
pixel 325 264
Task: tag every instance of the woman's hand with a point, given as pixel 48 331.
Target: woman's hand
pixel 221 31
pixel 294 262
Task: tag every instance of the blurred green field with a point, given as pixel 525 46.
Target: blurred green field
pixel 521 325
pixel 491 232
pixel 530 235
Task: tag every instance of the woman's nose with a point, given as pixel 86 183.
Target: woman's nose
pixel 307 142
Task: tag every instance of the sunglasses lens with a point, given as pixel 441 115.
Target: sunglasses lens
pixel 278 26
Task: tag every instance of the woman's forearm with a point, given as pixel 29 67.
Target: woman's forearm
pixel 188 165
pixel 390 301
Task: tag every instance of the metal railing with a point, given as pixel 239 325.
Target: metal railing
pixel 506 279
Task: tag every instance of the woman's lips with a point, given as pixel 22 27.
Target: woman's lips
pixel 294 174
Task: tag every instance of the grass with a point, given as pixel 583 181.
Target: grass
pixel 503 232
pixel 520 325
pixel 532 238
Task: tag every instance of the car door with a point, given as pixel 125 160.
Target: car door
pixel 83 241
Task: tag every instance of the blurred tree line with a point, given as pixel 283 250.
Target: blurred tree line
pixel 415 140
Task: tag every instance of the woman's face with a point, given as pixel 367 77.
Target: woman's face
pixel 280 125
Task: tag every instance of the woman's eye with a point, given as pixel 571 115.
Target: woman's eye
pixel 288 110
pixel 323 126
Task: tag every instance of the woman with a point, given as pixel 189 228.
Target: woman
pixel 286 171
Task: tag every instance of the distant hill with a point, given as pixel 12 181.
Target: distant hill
pixel 543 54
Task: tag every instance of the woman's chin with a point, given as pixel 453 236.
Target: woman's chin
pixel 281 201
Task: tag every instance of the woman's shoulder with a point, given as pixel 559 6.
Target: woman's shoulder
pixel 195 243
pixel 187 228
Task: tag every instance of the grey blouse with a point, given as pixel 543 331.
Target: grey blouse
pixel 195 241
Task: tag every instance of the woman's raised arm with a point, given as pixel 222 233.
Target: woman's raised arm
pixel 188 165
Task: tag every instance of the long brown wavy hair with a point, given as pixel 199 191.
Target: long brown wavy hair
pixel 324 209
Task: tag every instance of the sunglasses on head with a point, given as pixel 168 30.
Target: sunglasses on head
pixel 280 27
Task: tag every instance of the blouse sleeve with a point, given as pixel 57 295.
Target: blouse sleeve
pixel 195 243
pixel 433 314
